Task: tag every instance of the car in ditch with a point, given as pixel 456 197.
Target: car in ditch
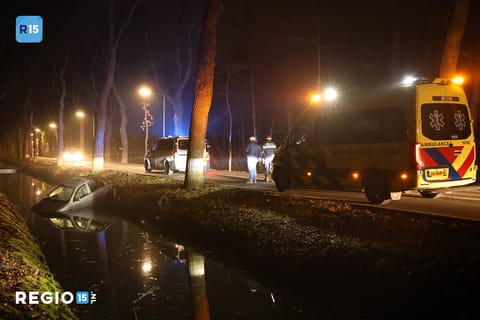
pixel 76 193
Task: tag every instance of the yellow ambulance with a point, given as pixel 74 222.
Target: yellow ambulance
pixel 384 141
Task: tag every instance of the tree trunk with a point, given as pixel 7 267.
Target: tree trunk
pixel 453 42
pixel 252 93
pixel 203 97
pixel 230 120
pixel 100 118
pixel 123 125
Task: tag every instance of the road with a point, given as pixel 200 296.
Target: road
pixel 462 204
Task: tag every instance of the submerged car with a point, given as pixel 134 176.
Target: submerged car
pixel 82 220
pixel 76 193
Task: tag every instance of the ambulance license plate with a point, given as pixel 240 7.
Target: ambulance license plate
pixel 437 173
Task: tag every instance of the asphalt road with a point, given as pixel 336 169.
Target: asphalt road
pixel 462 204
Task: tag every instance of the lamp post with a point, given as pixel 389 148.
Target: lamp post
pixel 81 115
pixel 53 126
pixel 145 93
pixel 163 119
pixel 40 145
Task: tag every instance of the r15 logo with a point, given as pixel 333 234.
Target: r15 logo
pixel 29 29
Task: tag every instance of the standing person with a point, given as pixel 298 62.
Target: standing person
pixel 254 153
pixel 268 148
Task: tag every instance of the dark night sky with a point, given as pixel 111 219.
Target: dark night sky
pixel 356 37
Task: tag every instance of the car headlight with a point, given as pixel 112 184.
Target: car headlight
pixel 77 156
pixel 73 156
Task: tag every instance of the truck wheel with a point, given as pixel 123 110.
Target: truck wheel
pixel 376 190
pixel 281 178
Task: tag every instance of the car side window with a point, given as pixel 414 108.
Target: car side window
pixel 81 192
pixel 154 146
pixel 94 185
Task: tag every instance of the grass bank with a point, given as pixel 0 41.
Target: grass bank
pixel 23 268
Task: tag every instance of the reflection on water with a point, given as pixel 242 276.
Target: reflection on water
pixel 137 275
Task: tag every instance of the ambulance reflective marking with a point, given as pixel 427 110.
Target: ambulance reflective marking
pixel 448 157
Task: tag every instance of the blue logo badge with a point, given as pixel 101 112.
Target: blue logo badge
pixel 29 29
pixel 82 297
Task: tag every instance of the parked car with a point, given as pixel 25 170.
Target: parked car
pixel 76 193
pixel 170 154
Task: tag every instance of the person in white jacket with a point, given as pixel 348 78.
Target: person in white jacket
pixel 254 154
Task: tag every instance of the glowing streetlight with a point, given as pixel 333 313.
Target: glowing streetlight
pixel 145 92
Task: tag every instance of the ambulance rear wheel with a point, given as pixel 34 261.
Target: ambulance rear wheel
pixel 376 190
pixel 281 178
pixel 429 195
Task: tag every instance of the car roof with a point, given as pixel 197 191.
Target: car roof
pixel 74 182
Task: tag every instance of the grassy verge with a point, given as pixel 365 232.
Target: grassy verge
pixel 394 259
pixel 23 268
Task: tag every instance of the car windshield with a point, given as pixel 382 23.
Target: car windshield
pixel 61 193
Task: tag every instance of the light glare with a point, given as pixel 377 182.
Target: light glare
pixel 330 94
pixel 145 91
pixel 458 80
pixel 409 80
pixel 316 98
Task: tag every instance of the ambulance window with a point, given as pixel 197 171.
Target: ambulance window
pixel 445 121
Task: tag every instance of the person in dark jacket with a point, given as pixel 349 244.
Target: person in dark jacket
pixel 268 149
pixel 254 154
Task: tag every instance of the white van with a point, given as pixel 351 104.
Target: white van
pixel 170 154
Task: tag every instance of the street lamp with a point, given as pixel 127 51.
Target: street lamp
pixel 145 93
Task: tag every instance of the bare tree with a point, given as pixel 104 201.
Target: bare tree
pixel 231 71
pixel 123 124
pixel 453 42
pixel 203 96
pixel 60 86
pixel 102 98
pixel 184 65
